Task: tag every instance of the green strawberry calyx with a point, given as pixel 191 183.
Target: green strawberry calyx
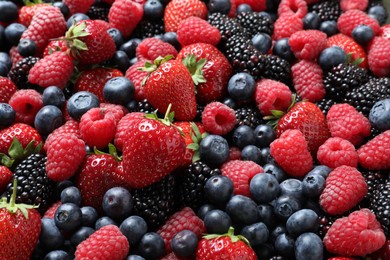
pixel 278 114
pixel 111 151
pixel 195 68
pixel 32 2
pixel 355 62
pixel 168 117
pixel 72 38
pixel 151 67
pixel 229 234
pixel 196 138
pixel 17 153
pixel 12 206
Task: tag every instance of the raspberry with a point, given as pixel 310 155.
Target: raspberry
pixel 385 31
pixel 353 4
pixel 307 44
pixel 257 5
pixel 375 154
pixel 352 18
pixel 78 6
pixel 346 122
pixel 15 55
pixel 185 219
pixel 125 16
pixel 7 89
pixel 26 103
pixel 218 118
pixel 358 234
pixel 196 30
pixel 241 173
pixel 49 213
pixel 272 95
pixel 234 153
pixel 117 111
pixel 336 152
pixel 136 76
pixel 107 241
pixel 294 7
pixel 286 25
pixel 123 126
pixel 378 56
pixel 152 48
pixel 291 152
pixel 70 127
pixel 345 187
pixel 307 79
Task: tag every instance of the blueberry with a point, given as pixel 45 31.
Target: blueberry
pixel 75 18
pixel 276 171
pixel 283 50
pixel 80 235
pixel 80 102
pixel 285 206
pixel 5 58
pixel 3 70
pixel 311 21
pixel 331 56
pixel 218 190
pixel 380 115
pixel 71 195
pixel 120 60
pixel 262 42
pixel 304 220
pixel 134 227
pixel 230 102
pixel 243 136
pixel 214 150
pixel 89 216
pixel 135 257
pixel 2 36
pixel 27 47
pixel 184 243
pixel 153 10
pixel 363 34
pixel 284 245
pixel 171 38
pixel 119 90
pixel 63 8
pixel 53 96
pixel 313 204
pixel 13 32
pixel 7 115
pixel 264 135
pixel 118 203
pixel 104 221
pixel 321 170
pixel 251 153
pixel 219 6
pixel 267 215
pixel 130 46
pixel 241 86
pixel 313 185
pixel 379 13
pixel 59 187
pixel 265 156
pixel 277 231
pixel 256 233
pixel 151 246
pixel 47 119
pixel 329 27
pixel 58 255
pixel 116 36
pixel 8 11
pixel 272 5
pixel 68 217
pixel 133 61
pixel 50 237
pixel 292 187
pixel 244 8
pixel 242 210
pixel 309 246
pixel 264 187
pixel 217 222
pixel 204 209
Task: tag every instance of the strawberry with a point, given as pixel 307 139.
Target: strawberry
pixel 27 12
pixel 55 45
pixel 178 10
pixel 24 133
pixel 49 213
pixel 122 127
pixel 7 89
pixel 195 30
pixel 170 82
pixel 78 6
pixel 153 149
pixel 20 226
pixel 225 246
pixel 125 15
pixel 5 177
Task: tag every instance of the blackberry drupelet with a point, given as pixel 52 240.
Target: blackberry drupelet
pixel 326 222
pixel 325 104
pixel 373 179
pixel 328 10
pixel 192 184
pixel 342 79
pixel 141 106
pixel 380 205
pixel 19 73
pixel 256 23
pixel 157 202
pixel 278 69
pixel 34 187
pixel 248 116
pixel 199 111
pixel 226 26
pixel 99 10
pixel 147 29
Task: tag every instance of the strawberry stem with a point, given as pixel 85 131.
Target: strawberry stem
pixel 229 234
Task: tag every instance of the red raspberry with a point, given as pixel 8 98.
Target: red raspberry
pixel 108 241
pixel 352 18
pixel 24 133
pixel 118 111
pixel 286 25
pixel 171 256
pixel 307 79
pixel 257 5
pixel 125 16
pixel 241 173
pixel 26 103
pixel 375 155
pixel 152 48
pixel 70 127
pixel 218 118
pixel 15 55
pixel 52 210
pixel 136 76
pixel 307 44
pixel 336 152
pixel 385 31
pixel 272 95
pixel 346 122
pixel 185 219
pixel 294 7
pixel 196 30
pixel 122 127
pixel 358 234
pixel 5 177
pixel 291 152
pixel 378 56
pixel 345 187
pixel 64 156
pixel 353 4
pixel 78 6
pixel 7 89
pixel 234 153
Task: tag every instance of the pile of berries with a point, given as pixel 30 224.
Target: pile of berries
pixel 189 129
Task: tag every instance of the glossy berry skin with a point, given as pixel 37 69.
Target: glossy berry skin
pixel 331 57
pixel 153 10
pixel 218 118
pixel 47 119
pixel 272 95
pixel 217 222
pixel 50 236
pixel 285 206
pixel 264 135
pixel 24 133
pixel 104 221
pixel 75 18
pixel 13 32
pixel 311 21
pixel 329 27
pixel 7 115
pixel 151 246
pixel 292 187
pixel 71 195
pixel 68 217
pixel 284 244
pixel 218 190
pixel 27 47
pixel 134 227
pixel 214 150
pixel 220 6
pixel 89 216
pixel 80 102
pixel 262 42
pixel 352 18
pixel 117 203
pixel 26 103
pixel 313 185
pixel 264 187
pixel 251 153
pixel 119 90
pixel 80 235
pixel 58 255
pixel 336 152
pixel 53 95
pixel 243 136
pixel 363 34
pixel 9 11
pixel 242 210
pixel 308 245
pixel 282 49
pixel 256 233
pixel 304 220
pixel 380 115
pixel 307 44
pixel 241 86
pixel 184 243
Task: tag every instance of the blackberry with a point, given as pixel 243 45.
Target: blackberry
pixel 326 222
pixel 147 29
pixel 226 26
pixel 19 73
pixel 278 69
pixel 199 111
pixel 248 116
pixel 342 79
pixel 141 106
pixel 380 205
pixel 99 11
pixel 33 185
pixel 365 96
pixel 255 23
pixel 157 202
pixel 192 183
pixel 373 179
pixel 325 104
pixel 327 10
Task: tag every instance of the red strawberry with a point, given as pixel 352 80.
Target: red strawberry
pixel 285 25
pixel 336 152
pixel 374 155
pixel 378 56
pixel 293 7
pixel 7 89
pixel 178 10
pixel 272 95
pixel 123 125
pixel 257 5
pixel 26 103
pixel 136 76
pixel 78 6
pixel 196 30
pixel 307 44
pixel 125 15
pixel 225 246
pixel 152 48
pixel 24 133
pixel 27 12
pixel 353 4
pixel 55 45
pixel 352 18
pixel 5 177
pixel 49 213
pixel 359 228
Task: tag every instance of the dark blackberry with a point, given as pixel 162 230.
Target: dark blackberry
pixel 325 104
pixel 278 257
pixel 278 69
pixel 141 106
pixel 380 205
pixel 373 179
pixel 248 116
pixel 99 11
pixel 226 26
pixel 34 187
pixel 192 183
pixel 256 23
pixel 157 202
pixel 364 97
pixel 147 29
pixel 328 10
pixel 326 222
pixel 342 79
pixel 19 73
pixel 199 111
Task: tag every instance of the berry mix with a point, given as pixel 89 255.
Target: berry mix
pixel 189 129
